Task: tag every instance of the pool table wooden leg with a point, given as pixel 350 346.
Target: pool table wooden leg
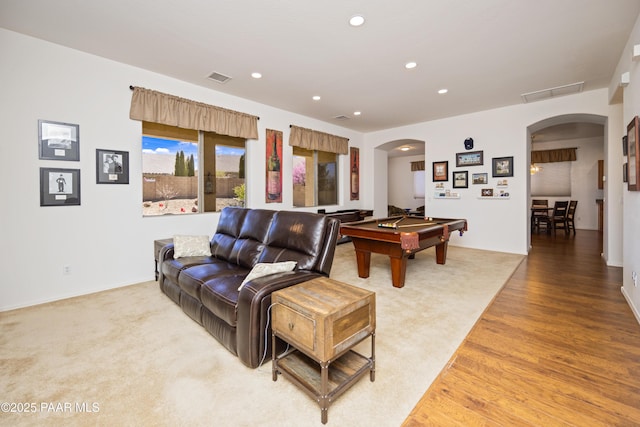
pixel 398 271
pixel 441 252
pixel 364 263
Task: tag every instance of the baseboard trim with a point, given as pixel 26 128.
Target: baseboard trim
pixel 634 310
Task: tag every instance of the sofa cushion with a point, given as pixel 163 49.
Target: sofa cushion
pixel 191 246
pixel 192 278
pixel 228 230
pixel 294 237
pixel 267 268
pixel 220 297
pixel 250 243
pixel 171 268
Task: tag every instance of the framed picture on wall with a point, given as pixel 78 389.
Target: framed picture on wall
pixel 480 178
pixel 440 171
pixel 502 166
pixel 470 158
pixel 112 167
pixel 58 141
pixel 633 167
pixel 59 187
pixel 460 179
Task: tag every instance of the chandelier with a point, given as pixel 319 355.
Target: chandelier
pixel 534 169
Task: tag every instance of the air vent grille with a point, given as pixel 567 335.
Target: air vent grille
pixel 553 92
pixel 217 77
pixel 341 117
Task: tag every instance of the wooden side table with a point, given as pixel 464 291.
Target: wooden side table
pixel 157 247
pixel 322 320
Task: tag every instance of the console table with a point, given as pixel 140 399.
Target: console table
pixel 322 320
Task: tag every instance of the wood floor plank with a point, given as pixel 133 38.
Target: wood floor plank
pixel 558 345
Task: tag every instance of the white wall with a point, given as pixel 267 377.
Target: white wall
pixel 499 225
pixel 630 199
pixel 584 178
pixel 106 241
pixel 400 191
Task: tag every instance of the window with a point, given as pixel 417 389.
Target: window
pixel 553 180
pixel 185 171
pixel 315 178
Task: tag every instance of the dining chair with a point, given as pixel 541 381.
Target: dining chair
pixel 539 216
pixel 571 213
pixel 559 215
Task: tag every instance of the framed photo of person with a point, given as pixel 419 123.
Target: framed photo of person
pixel 112 167
pixel 58 141
pixel 59 187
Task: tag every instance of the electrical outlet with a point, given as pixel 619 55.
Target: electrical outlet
pixel 634 277
pixel 66 269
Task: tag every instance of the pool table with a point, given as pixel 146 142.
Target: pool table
pixel 400 237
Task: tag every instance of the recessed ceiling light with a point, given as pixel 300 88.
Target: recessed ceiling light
pixel 405 148
pixel 442 91
pixel 356 113
pixel 256 75
pixel 356 20
pixel 410 65
pixel 316 98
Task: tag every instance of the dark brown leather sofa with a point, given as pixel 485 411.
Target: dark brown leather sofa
pixel 206 287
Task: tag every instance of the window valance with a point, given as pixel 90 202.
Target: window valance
pixel 551 156
pixel 317 141
pixel 417 166
pixel 157 107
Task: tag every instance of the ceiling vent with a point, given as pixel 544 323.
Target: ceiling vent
pixel 553 92
pixel 341 117
pixel 217 77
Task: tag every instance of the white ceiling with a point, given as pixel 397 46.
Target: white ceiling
pixel 486 52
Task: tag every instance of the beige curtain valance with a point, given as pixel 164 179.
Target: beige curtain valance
pixel 551 156
pixel 157 107
pixel 317 141
pixel 417 166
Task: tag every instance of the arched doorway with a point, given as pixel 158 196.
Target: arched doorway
pixel 577 180
pixel 393 166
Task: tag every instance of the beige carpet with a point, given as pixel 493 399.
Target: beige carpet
pixel 130 357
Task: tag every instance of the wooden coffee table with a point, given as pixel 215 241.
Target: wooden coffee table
pixel 322 320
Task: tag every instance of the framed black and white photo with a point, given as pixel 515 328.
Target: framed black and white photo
pixel 470 158
pixel 480 178
pixel 502 166
pixel 460 179
pixel 59 187
pixel 58 141
pixel 112 167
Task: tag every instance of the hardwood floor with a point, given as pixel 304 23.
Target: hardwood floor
pixel 558 346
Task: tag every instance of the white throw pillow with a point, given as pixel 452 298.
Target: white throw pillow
pixel 191 246
pixel 265 268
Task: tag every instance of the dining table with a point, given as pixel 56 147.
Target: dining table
pixel 538 211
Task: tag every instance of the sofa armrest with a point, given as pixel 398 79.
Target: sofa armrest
pixel 253 329
pixel 165 253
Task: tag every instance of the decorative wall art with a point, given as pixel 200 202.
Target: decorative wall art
pixel 59 187
pixel 112 167
pixel 58 141
pixel 480 178
pixel 502 166
pixel 440 171
pixel 633 167
pixel 471 158
pixel 354 161
pixel 273 193
pixel 460 179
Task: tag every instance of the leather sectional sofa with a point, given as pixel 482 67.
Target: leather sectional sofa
pixel 206 287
